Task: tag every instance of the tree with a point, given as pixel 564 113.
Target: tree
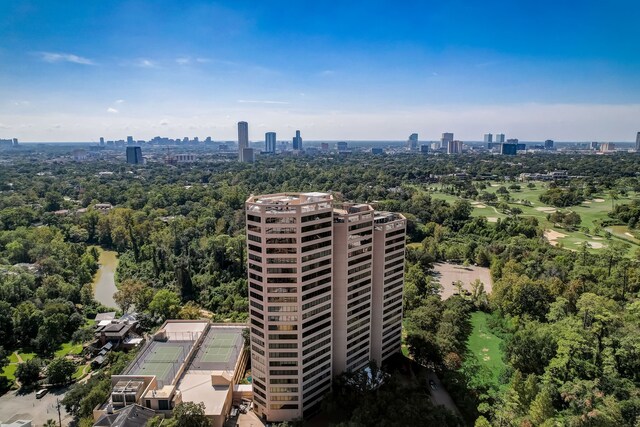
pixel 541 408
pixel 189 311
pixel 28 373
pixel 133 292
pixel 60 370
pixel 165 304
pixel 190 414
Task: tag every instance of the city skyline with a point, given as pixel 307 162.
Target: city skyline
pixel 72 71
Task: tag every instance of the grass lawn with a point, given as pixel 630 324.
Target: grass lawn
pixel 9 371
pixel 69 348
pixel 79 373
pixel 26 356
pixel 485 345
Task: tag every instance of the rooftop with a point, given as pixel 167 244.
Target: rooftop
pixel 290 198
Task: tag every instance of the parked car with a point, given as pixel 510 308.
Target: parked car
pixel 40 393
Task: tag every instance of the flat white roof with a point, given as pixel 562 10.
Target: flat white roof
pixel 195 386
pixel 185 327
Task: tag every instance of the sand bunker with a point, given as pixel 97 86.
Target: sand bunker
pixel 629 234
pixel 553 236
pixel 492 219
pixel 598 200
pixel 478 205
pixel 594 245
pixel 546 209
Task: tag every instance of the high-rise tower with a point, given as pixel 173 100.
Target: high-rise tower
pixel 243 138
pixel 270 142
pixel 325 295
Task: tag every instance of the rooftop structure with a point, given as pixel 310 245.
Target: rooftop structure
pixel 186 361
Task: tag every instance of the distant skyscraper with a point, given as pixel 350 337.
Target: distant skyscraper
pixel 509 149
pixel 342 146
pixel 248 155
pixel 638 142
pixel 134 156
pixel 594 145
pixel 270 142
pixel 446 138
pixel 548 144
pixel 297 141
pixel 243 138
pixel 324 146
pixel 15 142
pixel 500 137
pixel 454 147
pixel 412 142
pixel 488 138
pixel 101 140
pixel 129 140
pixel 424 148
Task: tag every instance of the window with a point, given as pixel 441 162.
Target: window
pixel 163 405
pixel 281 220
pixel 255 238
pixel 315 217
pixel 281 241
pixel 254 218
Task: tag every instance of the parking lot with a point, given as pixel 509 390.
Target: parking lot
pixel 14 406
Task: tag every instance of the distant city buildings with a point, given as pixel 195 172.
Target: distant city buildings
pixel 412 142
pixel 130 140
pixel 638 142
pixel 488 138
pixel 270 142
pixel 11 142
pixel 248 155
pixel 342 146
pixel 548 144
pixel 447 137
pixel 243 138
pixel 377 150
pixel 509 148
pixel 134 156
pixel 297 141
pixel 454 147
pixel 499 138
pixel 424 148
pixel 101 141
pixel 324 146
pixel 606 147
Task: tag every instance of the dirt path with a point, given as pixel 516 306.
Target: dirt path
pixel 447 274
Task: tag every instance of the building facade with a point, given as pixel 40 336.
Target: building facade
pixel 243 139
pixel 270 142
pixel 134 156
pixel 314 294
pixel 297 141
pixel 638 142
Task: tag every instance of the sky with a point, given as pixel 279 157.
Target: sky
pixel 359 70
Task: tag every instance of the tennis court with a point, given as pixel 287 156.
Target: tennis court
pixel 219 348
pixel 160 359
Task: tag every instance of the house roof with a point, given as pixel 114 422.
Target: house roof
pixel 129 416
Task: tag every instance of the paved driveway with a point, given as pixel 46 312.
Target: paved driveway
pixel 14 406
pixel 440 396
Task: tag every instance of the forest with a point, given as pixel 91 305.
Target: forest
pixel 568 320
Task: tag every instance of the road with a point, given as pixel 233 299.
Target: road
pixel 14 406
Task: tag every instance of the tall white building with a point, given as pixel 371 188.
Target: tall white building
pixel 638 142
pixel 325 294
pixel 243 138
pixel 500 137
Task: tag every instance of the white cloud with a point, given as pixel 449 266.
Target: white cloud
pixel 112 110
pixel 183 61
pixel 145 63
pixel 119 101
pixel 53 57
pixel 203 60
pixel 252 101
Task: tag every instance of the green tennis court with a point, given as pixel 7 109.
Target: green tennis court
pixel 161 370
pixel 165 353
pixel 219 348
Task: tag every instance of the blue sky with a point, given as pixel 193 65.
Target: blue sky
pixel 532 69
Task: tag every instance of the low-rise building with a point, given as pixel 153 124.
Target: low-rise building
pixel 186 361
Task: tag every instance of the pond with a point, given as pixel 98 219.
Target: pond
pixel 104 283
